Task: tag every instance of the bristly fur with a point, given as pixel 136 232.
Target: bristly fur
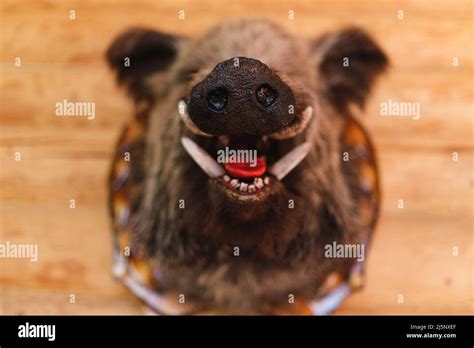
pixel 282 251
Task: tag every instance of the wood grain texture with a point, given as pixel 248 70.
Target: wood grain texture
pixel 68 158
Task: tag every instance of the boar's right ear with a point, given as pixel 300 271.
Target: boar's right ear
pixel 348 61
pixel 138 53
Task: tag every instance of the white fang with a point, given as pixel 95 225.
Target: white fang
pixel 292 131
pixel 288 162
pixel 183 114
pixel 202 158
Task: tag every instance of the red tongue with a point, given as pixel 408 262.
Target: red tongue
pixel 245 170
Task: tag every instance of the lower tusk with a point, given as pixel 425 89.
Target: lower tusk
pixel 202 158
pixel 288 162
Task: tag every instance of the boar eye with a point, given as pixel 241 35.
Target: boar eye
pixel 217 99
pixel 266 95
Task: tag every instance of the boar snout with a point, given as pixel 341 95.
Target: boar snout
pixel 241 96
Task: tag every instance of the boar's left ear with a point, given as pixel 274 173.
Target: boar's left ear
pixel 348 62
pixel 138 53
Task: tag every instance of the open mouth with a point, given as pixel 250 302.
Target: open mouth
pixel 245 166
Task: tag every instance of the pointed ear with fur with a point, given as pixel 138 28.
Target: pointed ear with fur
pixel 138 53
pixel 348 62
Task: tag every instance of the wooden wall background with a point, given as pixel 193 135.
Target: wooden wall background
pixel 68 158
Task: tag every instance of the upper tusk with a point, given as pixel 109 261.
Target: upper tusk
pixel 293 130
pixel 183 114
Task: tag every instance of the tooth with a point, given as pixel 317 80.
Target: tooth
pixel 288 162
pixel 266 180
pixel 243 187
pixel 226 178
pixel 202 158
pixel 251 188
pixel 234 183
pixel 183 114
pixel 258 183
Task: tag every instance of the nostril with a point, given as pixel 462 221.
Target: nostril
pixel 266 95
pixel 217 99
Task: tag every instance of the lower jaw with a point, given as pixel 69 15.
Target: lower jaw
pixel 247 190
